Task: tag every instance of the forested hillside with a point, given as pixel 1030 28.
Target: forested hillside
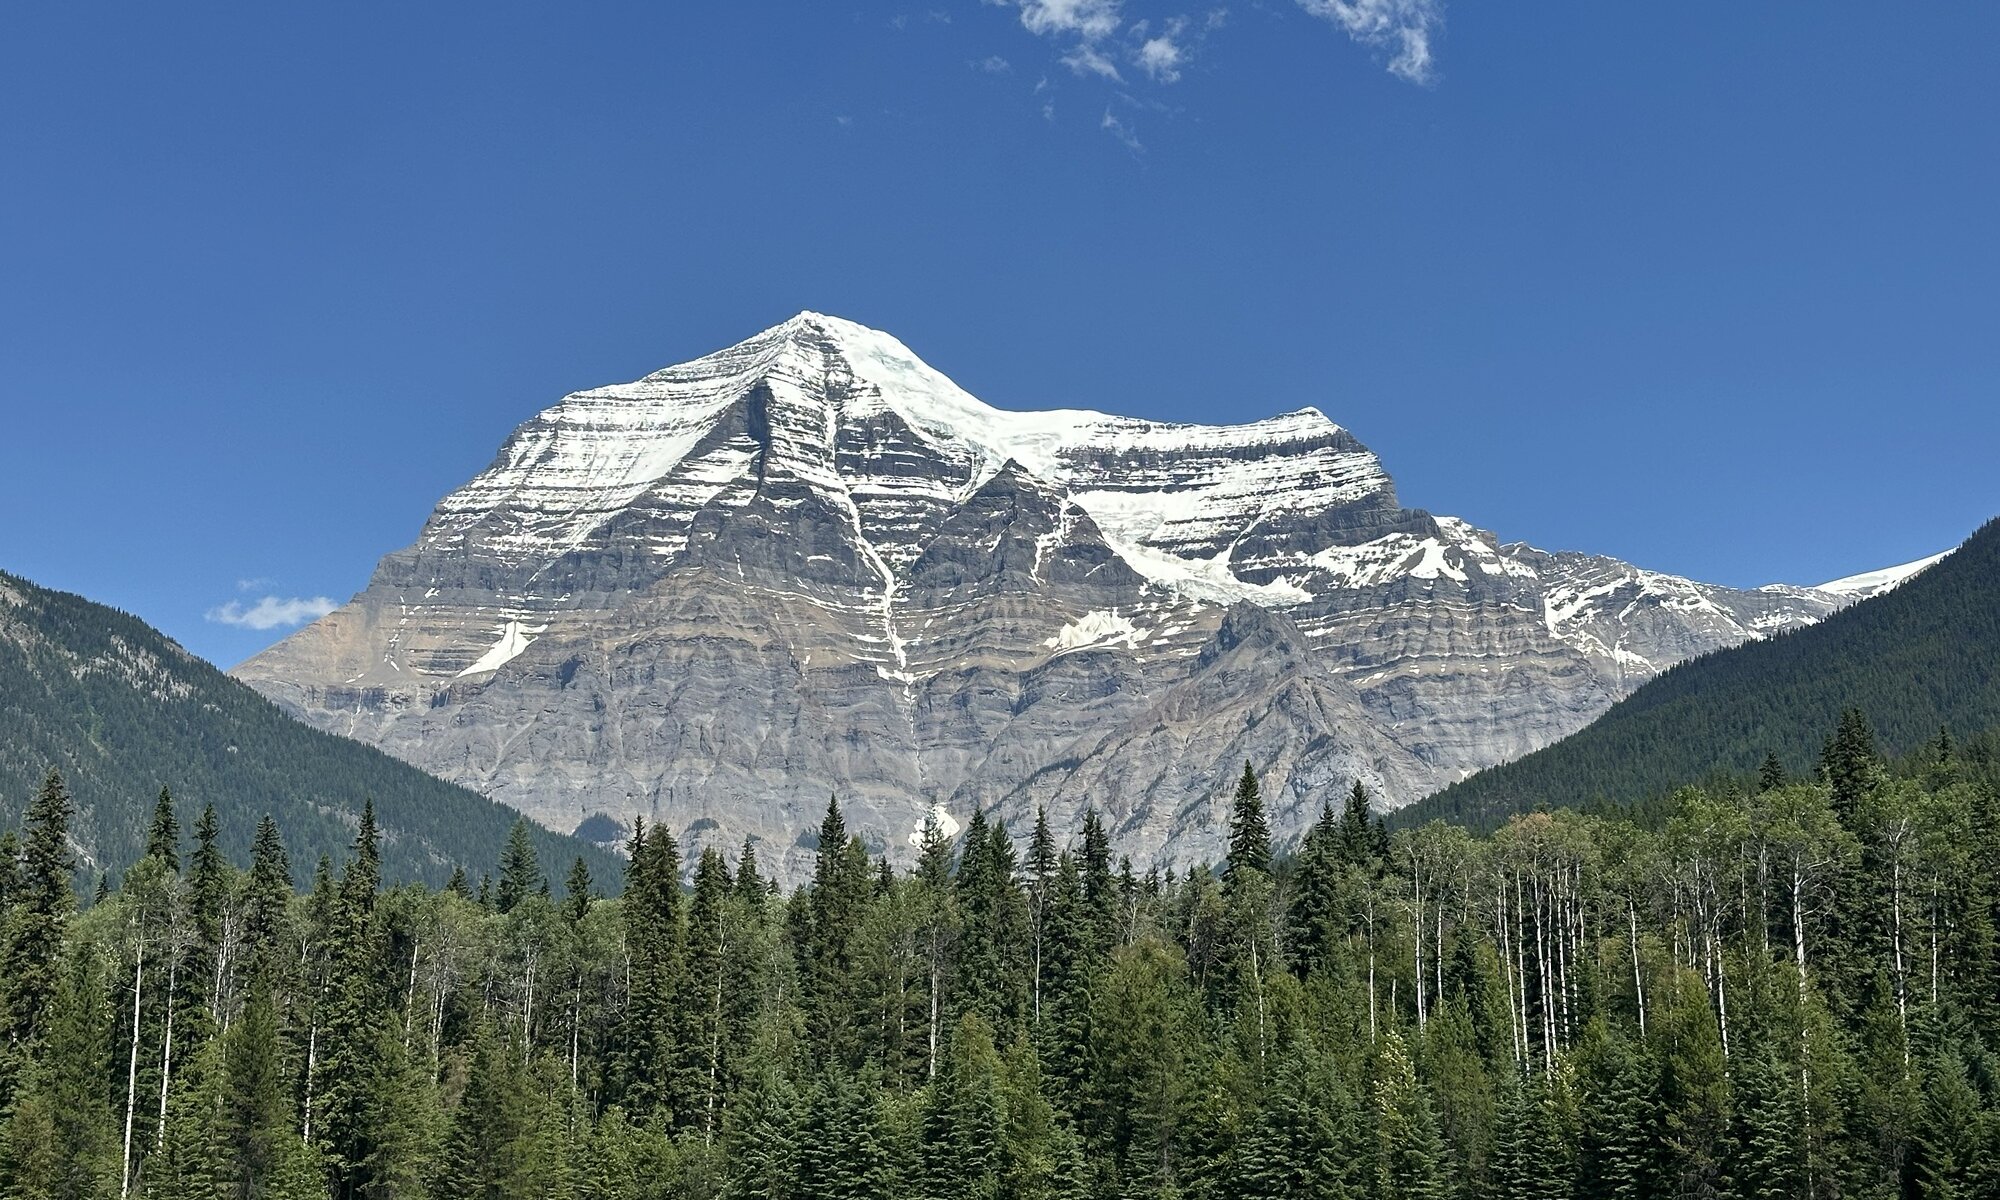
pixel 1917 659
pixel 1792 992
pixel 125 712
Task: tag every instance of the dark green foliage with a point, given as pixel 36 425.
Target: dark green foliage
pixel 1917 658
pixel 1249 832
pixel 1438 1016
pixel 117 741
pixel 36 922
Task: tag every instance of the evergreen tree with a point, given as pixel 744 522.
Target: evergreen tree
pixel 520 874
pixel 1249 833
pixel 577 895
pixel 1850 763
pixel 1409 1154
pixel 653 930
pixel 839 892
pixel 1356 839
pixel 1771 775
pixel 486 1154
pixel 163 836
pixel 255 1140
pixel 38 922
pixel 61 1142
pixel 266 896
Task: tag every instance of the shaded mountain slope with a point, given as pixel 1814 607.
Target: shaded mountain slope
pixel 1923 656
pixel 122 710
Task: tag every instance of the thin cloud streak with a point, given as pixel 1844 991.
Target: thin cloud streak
pixel 272 612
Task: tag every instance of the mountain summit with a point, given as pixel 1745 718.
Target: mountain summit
pixel 811 563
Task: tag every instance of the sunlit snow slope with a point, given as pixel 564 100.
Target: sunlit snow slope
pixel 811 563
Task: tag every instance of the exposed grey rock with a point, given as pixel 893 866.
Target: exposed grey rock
pixel 809 564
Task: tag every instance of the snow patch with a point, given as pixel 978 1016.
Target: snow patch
pixel 514 638
pixel 947 825
pixel 1094 628
pixel 1870 583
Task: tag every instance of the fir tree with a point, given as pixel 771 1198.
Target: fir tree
pixel 60 1139
pixel 520 873
pixel 1249 833
pixel 163 836
pixel 577 895
pixel 36 927
pixel 1409 1154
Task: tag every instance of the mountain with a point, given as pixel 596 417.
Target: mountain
pixel 1921 657
pixel 122 711
pixel 810 563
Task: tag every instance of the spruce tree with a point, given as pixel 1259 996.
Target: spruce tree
pixel 254 1133
pixel 1850 764
pixel 1249 832
pixel 520 873
pixel 1356 839
pixel 38 923
pixel 654 933
pixel 1409 1154
pixel 1771 775
pixel 267 896
pixel 163 836
pixel 61 1137
pixel 577 894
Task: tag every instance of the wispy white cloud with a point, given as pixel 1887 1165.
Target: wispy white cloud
pixel 1120 130
pixel 1085 59
pixel 1403 27
pixel 1161 56
pixel 272 612
pixel 1090 20
pixel 1100 36
pixel 993 64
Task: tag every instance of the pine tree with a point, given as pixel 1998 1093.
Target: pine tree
pixel 60 1139
pixel 38 923
pixel 840 890
pixel 1249 833
pixel 1409 1154
pixel 1296 1146
pixel 577 895
pixel 1771 775
pixel 254 1133
pixel 1850 764
pixel 653 930
pixel 163 836
pixel 266 897
pixel 520 873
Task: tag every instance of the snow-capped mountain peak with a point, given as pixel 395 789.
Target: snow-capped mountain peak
pixel 810 561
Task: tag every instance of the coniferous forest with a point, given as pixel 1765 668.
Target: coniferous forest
pixel 1786 989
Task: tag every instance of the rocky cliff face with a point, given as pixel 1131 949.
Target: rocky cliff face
pixel 810 564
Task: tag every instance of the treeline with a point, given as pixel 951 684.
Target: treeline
pixel 1922 656
pixel 1787 990
pixel 120 709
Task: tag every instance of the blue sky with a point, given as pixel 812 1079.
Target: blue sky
pixel 1710 287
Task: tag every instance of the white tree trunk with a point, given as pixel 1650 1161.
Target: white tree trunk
pixel 132 1070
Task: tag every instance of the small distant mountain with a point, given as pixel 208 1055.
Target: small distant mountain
pixel 121 711
pixel 1921 655
pixel 810 563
